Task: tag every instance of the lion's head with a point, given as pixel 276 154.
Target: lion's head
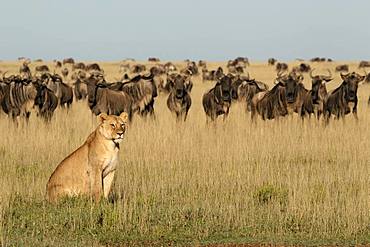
pixel 113 127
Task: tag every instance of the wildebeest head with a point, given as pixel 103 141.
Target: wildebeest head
pixel 223 89
pixel 318 90
pixel 178 86
pixel 290 83
pixel 350 83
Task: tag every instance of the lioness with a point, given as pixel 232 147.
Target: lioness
pixel 90 169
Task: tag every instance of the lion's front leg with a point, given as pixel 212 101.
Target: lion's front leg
pixel 107 183
pixel 96 183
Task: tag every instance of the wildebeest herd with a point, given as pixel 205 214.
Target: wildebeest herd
pixel 136 91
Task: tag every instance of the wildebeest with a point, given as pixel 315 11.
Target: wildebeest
pixel 314 101
pixel 137 68
pixel 65 73
pixel 302 68
pixel 57 64
pixel 271 61
pixel 320 59
pixel 342 68
pixel 367 78
pixel 179 100
pixel 143 91
pixel 153 59
pixel 25 71
pixel 364 64
pixel 63 91
pixel 42 68
pixel 281 67
pixel 212 75
pixel 202 64
pixel 295 92
pixel 18 99
pixel 46 101
pixel 93 66
pixel 68 61
pixel 246 88
pixel 170 82
pixel 170 67
pixel 340 101
pixel 101 99
pixel 79 89
pixel 217 101
pixel 270 104
pixel 79 65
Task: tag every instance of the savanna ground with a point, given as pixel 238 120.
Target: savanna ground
pixel 277 182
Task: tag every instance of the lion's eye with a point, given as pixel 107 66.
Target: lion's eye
pixel 122 125
pixel 112 125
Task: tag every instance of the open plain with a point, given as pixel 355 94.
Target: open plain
pixel 281 182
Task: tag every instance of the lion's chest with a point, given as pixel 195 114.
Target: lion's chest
pixel 109 163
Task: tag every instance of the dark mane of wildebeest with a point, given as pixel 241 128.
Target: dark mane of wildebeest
pixel 79 65
pixel 363 64
pixel 338 102
pixel 271 61
pixel 179 100
pixel 270 104
pixel 281 67
pixel 68 61
pixel 45 101
pixel 342 68
pixel 217 101
pixel 102 99
pixel 93 66
pixel 314 101
pixel 42 68
pixel 63 91
pixel 18 97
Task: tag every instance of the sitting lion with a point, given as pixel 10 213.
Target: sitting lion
pixel 90 169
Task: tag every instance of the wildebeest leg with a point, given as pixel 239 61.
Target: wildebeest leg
pixel 185 115
pixel 354 111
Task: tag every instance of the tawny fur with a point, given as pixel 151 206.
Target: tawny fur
pixel 90 169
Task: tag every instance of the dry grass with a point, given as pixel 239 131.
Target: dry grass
pixel 276 182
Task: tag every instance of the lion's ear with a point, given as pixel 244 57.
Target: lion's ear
pixel 124 116
pixel 102 117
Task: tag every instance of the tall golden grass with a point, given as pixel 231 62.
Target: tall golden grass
pixel 277 181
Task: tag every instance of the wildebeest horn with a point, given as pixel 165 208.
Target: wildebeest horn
pixel 330 75
pixel 311 74
pixel 4 75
